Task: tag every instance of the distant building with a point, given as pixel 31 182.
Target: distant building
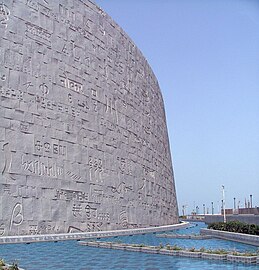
pixel 242 211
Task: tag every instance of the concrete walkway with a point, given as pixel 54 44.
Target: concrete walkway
pixel 84 235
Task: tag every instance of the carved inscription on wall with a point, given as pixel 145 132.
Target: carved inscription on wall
pixel 42 167
pixel 37 33
pixel 45 146
pixel 83 138
pixel 71 84
pixel 4 15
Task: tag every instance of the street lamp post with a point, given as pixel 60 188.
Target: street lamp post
pixel 251 201
pixel 184 207
pixel 223 203
pixel 212 208
pixel 234 203
pixel 204 209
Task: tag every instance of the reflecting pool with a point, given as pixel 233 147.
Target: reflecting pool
pixel 71 255
pixel 154 240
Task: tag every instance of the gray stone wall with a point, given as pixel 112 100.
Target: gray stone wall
pixel 83 137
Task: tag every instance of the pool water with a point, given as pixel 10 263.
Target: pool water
pixel 71 255
pixel 154 240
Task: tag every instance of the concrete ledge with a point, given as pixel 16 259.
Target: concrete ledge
pixel 78 236
pixel 241 258
pixel 149 249
pixel 211 256
pixel 185 236
pixel 169 252
pixel 189 254
pixel 237 237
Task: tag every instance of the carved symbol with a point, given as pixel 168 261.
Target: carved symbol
pixel 95 105
pixel 33 229
pixel 7 189
pixel 143 186
pixel 37 33
pixel 38 145
pixel 8 161
pixel 122 188
pixel 71 84
pixel 77 210
pixel 44 89
pixel 27 65
pixel 74 176
pixel 24 127
pixel 65 50
pixel 70 98
pixel 47 147
pixel 3 148
pixel 90 212
pixel 40 168
pixel 96 168
pixel 3 77
pixel 94 93
pixel 2 229
pixel 72 229
pixel 4 14
pixel 17 216
pixel 32 4
pixel 123 219
pixel 28 85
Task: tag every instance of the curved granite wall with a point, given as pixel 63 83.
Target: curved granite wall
pixel 83 137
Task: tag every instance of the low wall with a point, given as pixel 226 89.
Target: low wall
pixel 251 219
pixel 250 259
pixel 237 237
pixel 77 236
pixel 184 236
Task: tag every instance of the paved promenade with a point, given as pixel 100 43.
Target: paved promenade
pixel 84 235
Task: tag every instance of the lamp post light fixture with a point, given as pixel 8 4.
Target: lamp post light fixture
pixel 223 204
pixel 212 208
pixel 184 207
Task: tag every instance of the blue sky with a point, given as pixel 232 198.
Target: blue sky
pixel 205 55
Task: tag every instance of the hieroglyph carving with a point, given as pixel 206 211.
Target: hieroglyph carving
pixel 4 15
pixel 17 216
